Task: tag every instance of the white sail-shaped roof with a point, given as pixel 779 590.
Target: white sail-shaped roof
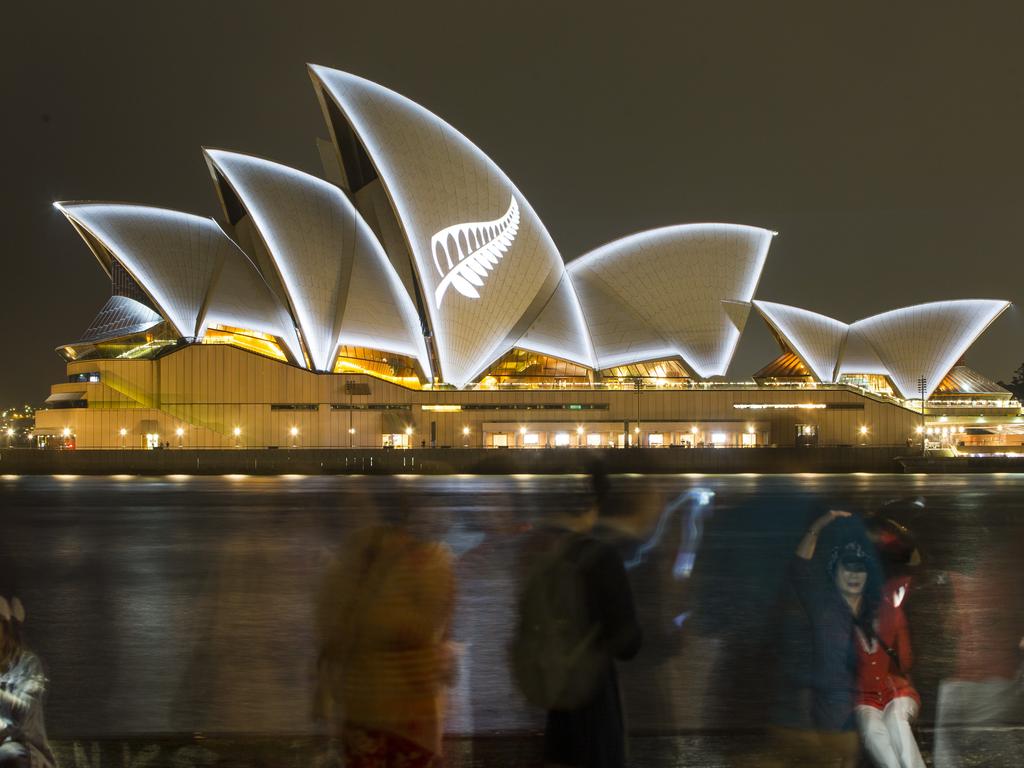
pixel 858 356
pixel 194 274
pixel 340 284
pixel 816 339
pixel 927 339
pixel 560 330
pixel 484 261
pixel 171 255
pixel 678 291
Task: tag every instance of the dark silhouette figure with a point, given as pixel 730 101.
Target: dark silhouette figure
pixel 576 618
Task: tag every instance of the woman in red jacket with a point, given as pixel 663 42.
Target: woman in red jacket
pixel 887 702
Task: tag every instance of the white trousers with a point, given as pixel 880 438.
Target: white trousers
pixel 887 736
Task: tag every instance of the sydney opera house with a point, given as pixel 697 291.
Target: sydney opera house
pixel 411 296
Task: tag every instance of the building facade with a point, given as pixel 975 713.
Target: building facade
pixel 412 296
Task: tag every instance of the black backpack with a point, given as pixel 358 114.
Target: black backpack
pixel 556 656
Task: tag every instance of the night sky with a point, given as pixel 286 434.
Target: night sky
pixel 882 140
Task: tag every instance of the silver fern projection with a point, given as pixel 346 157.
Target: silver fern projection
pixel 485 242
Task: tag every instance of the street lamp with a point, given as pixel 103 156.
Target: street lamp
pixel 237 432
pixel 124 433
pixel 465 437
pixel 294 432
pixel 180 432
pixel 922 387
pixel 10 436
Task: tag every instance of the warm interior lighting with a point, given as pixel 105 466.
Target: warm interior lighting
pixel 579 430
pixel 351 430
pixel 442 408
pixel 522 430
pixel 388 366
pixel 242 338
pixel 694 431
pixel 780 406
pixel 919 430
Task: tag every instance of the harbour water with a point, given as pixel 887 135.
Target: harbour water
pixel 177 604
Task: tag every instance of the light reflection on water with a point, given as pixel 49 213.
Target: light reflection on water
pixel 183 603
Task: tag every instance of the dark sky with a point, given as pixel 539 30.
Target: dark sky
pixel 882 140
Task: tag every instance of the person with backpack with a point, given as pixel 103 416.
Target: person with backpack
pixel 576 618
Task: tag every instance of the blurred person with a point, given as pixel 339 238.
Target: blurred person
pixel 385 658
pixel 835 599
pixel 576 617
pixel 888 702
pixel 983 699
pixel 23 741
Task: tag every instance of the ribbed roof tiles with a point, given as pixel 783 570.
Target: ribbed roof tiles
pixel 817 339
pixel 687 289
pixel 442 186
pixel 326 258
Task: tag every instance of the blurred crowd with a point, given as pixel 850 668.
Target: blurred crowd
pixel 809 641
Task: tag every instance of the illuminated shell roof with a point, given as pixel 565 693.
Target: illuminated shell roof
pixel 682 290
pixel 485 263
pixel 817 339
pixel 120 316
pixel 903 344
pixel 194 274
pixel 340 284
pixel 927 339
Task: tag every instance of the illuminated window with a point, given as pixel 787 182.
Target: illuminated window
pixel 652 371
pixel 562 439
pixel 520 366
pixel 656 440
pixel 398 369
pixel 749 439
pixel 242 338
pixel 500 440
pixel 719 438
pixel 594 440
pixel 531 438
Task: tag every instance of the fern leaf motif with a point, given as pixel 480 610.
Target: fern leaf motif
pixel 464 254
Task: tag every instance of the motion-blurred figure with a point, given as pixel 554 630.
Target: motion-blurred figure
pixel 835 600
pixel 385 660
pixel 23 741
pixel 888 702
pixel 576 618
pixel 984 698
